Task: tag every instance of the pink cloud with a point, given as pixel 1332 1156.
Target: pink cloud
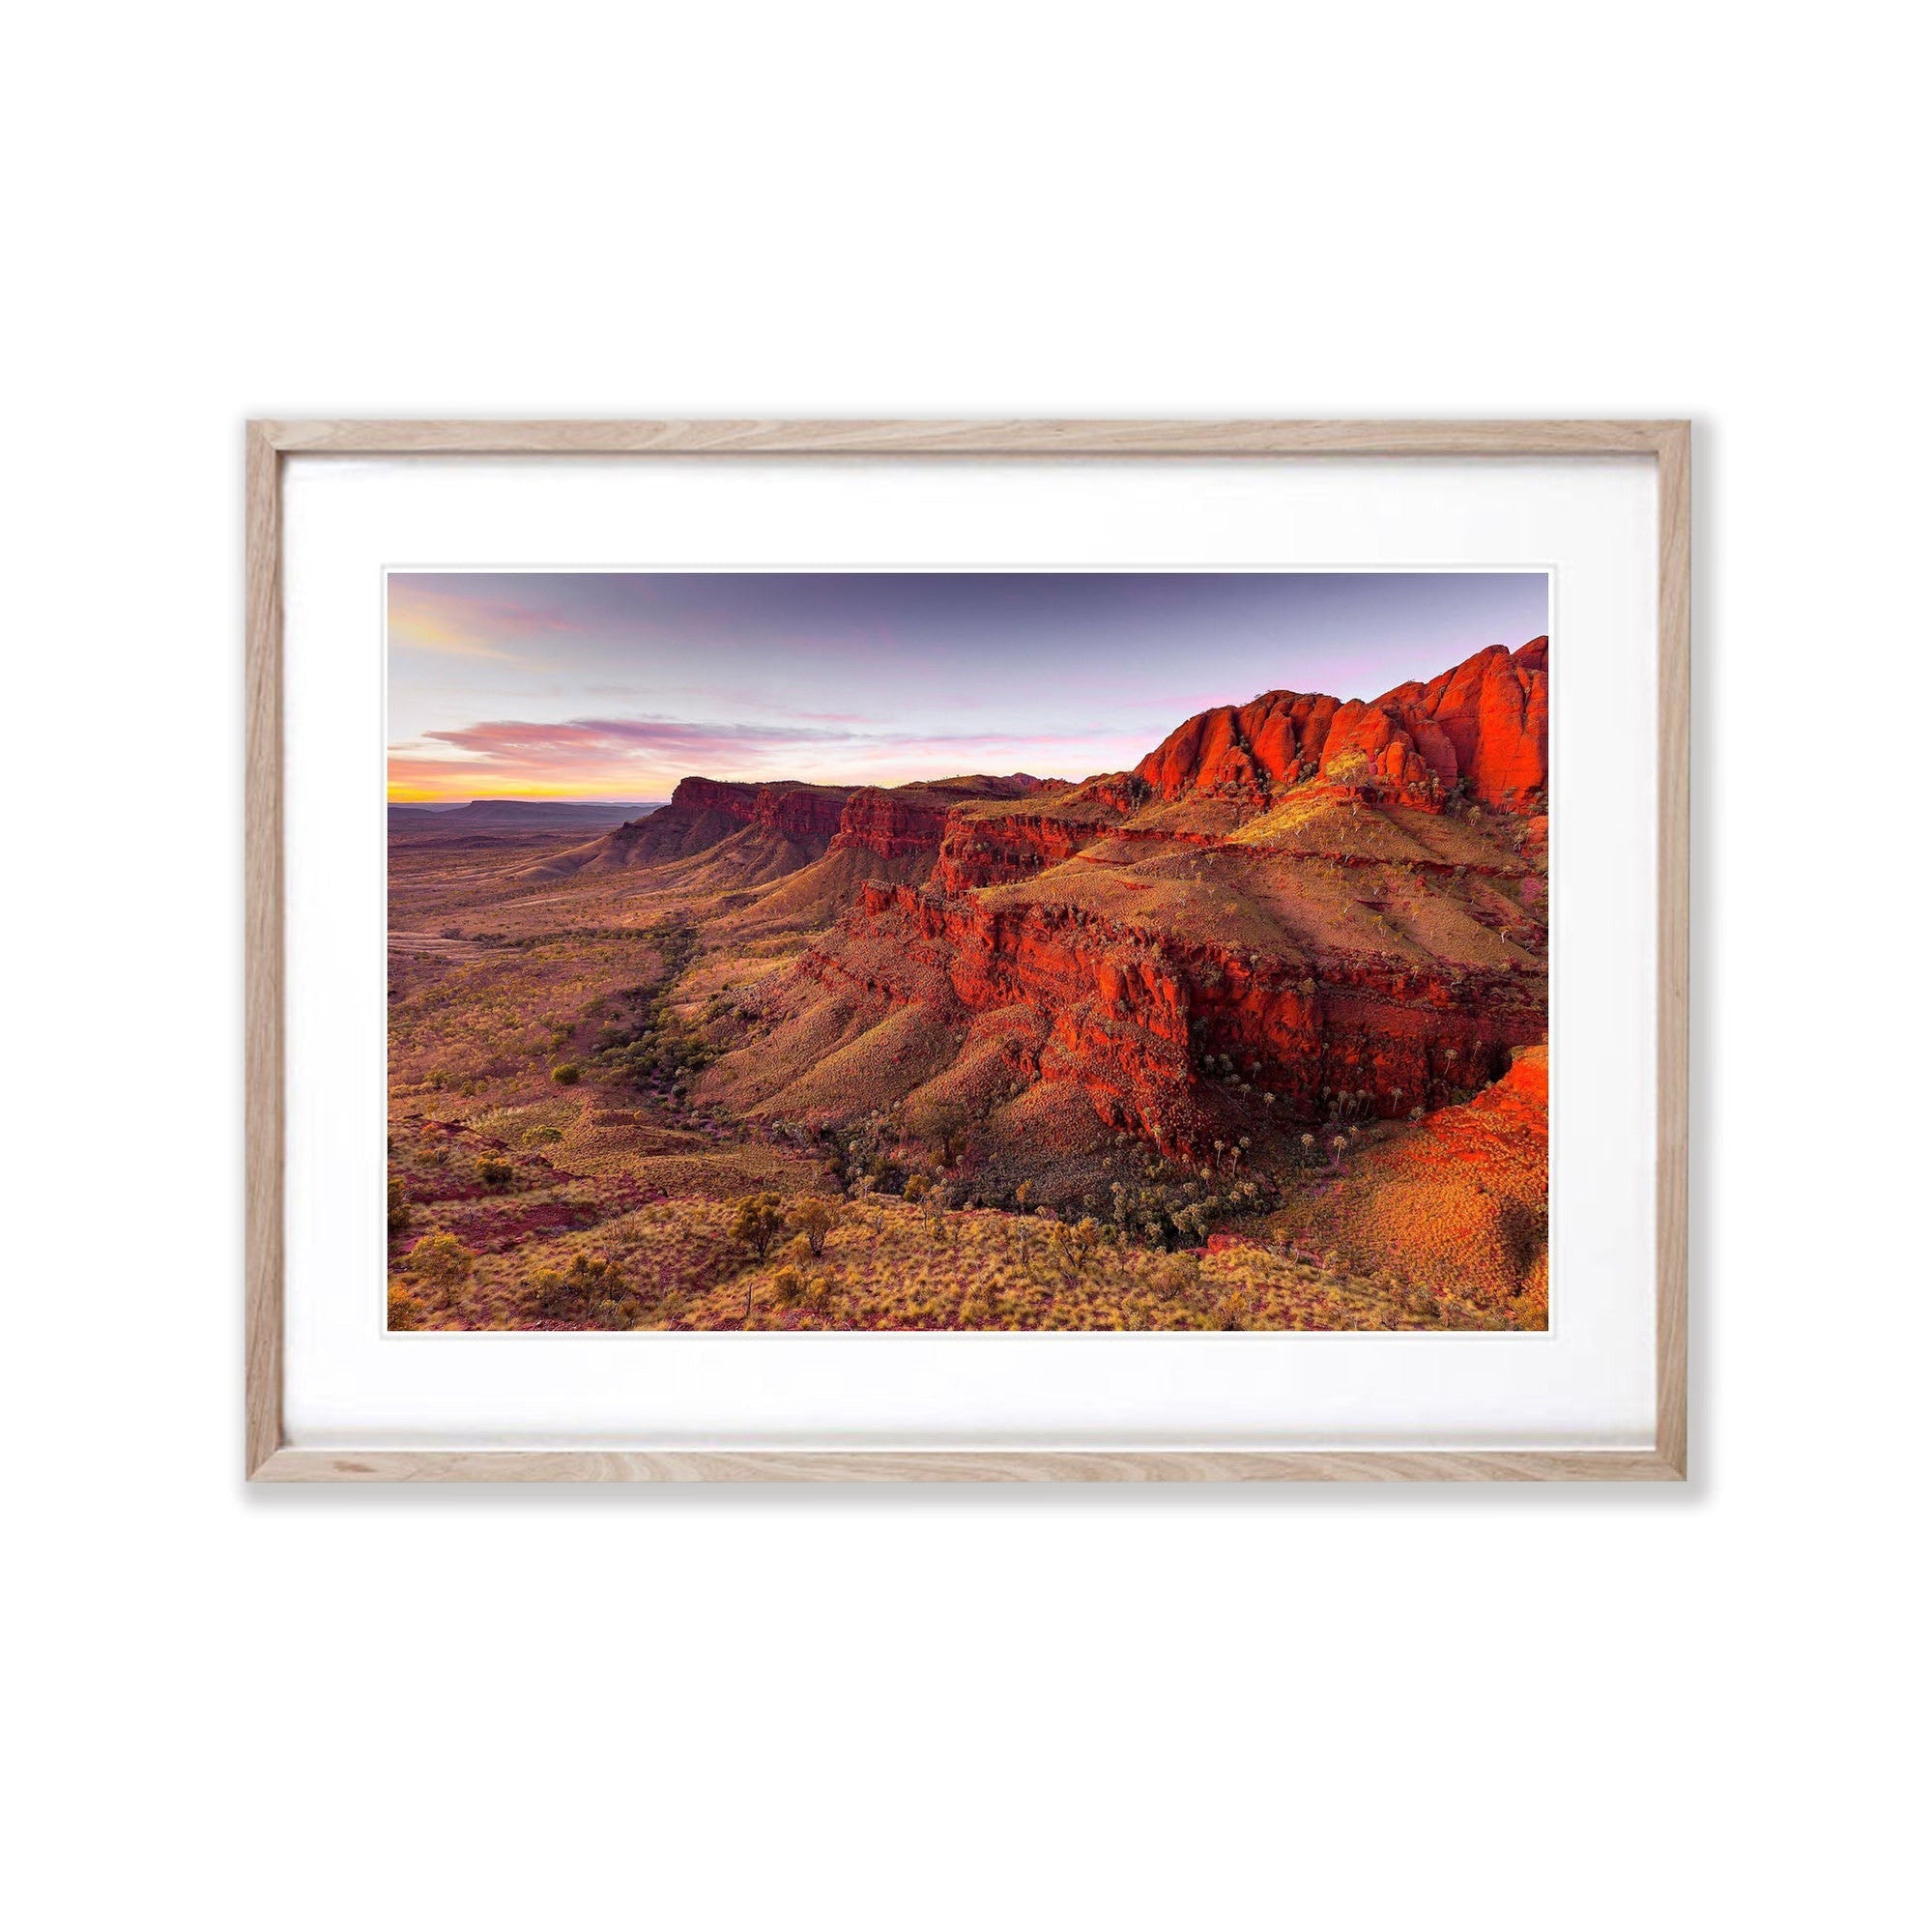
pixel 646 756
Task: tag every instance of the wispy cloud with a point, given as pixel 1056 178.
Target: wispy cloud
pixel 645 754
pixel 513 741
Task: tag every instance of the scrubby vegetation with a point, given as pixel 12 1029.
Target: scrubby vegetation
pixel 889 1264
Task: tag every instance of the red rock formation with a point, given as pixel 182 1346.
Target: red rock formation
pixel 978 849
pixel 1484 726
pixel 1383 965
pixel 911 820
pixel 808 814
pixel 891 825
pixel 1127 1014
pixel 1248 749
pixel 703 812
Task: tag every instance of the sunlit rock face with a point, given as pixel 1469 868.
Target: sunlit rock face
pixel 1480 730
pixel 1326 907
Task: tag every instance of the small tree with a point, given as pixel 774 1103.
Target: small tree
pixel 589 1293
pixel 942 1123
pixel 439 1258
pixel 760 1222
pixel 1178 1276
pixel 1083 1239
pixel 815 1219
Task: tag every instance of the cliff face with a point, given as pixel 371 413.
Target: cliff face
pixel 807 821
pixel 705 812
pixel 891 826
pixel 1130 1015
pixel 1478 731
pixel 910 820
pixel 807 814
pixel 1482 727
pixel 976 850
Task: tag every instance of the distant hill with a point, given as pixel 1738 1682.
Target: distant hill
pixel 749 834
pixel 508 815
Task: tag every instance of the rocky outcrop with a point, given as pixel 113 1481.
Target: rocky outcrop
pixel 1480 731
pixel 994 849
pixel 1251 749
pixel 892 825
pixel 1493 712
pixel 705 812
pixel 1132 1016
pixel 804 822
pixel 912 821
pixel 807 814
pixel 1210 965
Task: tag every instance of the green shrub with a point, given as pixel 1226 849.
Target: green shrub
pixel 493 1173
pixel 567 1074
pixel 758 1222
pixel 439 1258
pixel 815 1219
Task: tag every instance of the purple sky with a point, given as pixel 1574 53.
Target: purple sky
pixel 615 685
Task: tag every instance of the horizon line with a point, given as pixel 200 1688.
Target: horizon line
pixel 398 794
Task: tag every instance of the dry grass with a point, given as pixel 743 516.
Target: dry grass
pixel 889 1265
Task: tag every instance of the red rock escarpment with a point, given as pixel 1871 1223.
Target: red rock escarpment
pixel 994 851
pixel 908 818
pixel 1128 1016
pixel 891 825
pixel 1383 967
pixel 1482 726
pixel 808 815
pixel 703 812
pixel 913 819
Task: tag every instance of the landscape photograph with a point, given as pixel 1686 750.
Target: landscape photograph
pixel 967 950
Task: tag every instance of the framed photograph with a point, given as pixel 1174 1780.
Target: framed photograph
pixel 1024 951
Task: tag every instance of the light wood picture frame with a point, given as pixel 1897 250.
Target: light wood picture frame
pixel 270 1458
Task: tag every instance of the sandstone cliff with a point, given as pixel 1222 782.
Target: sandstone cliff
pixel 1480 730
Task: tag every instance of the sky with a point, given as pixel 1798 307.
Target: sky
pixel 615 685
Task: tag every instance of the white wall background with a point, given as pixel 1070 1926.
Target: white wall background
pixel 1335 1709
